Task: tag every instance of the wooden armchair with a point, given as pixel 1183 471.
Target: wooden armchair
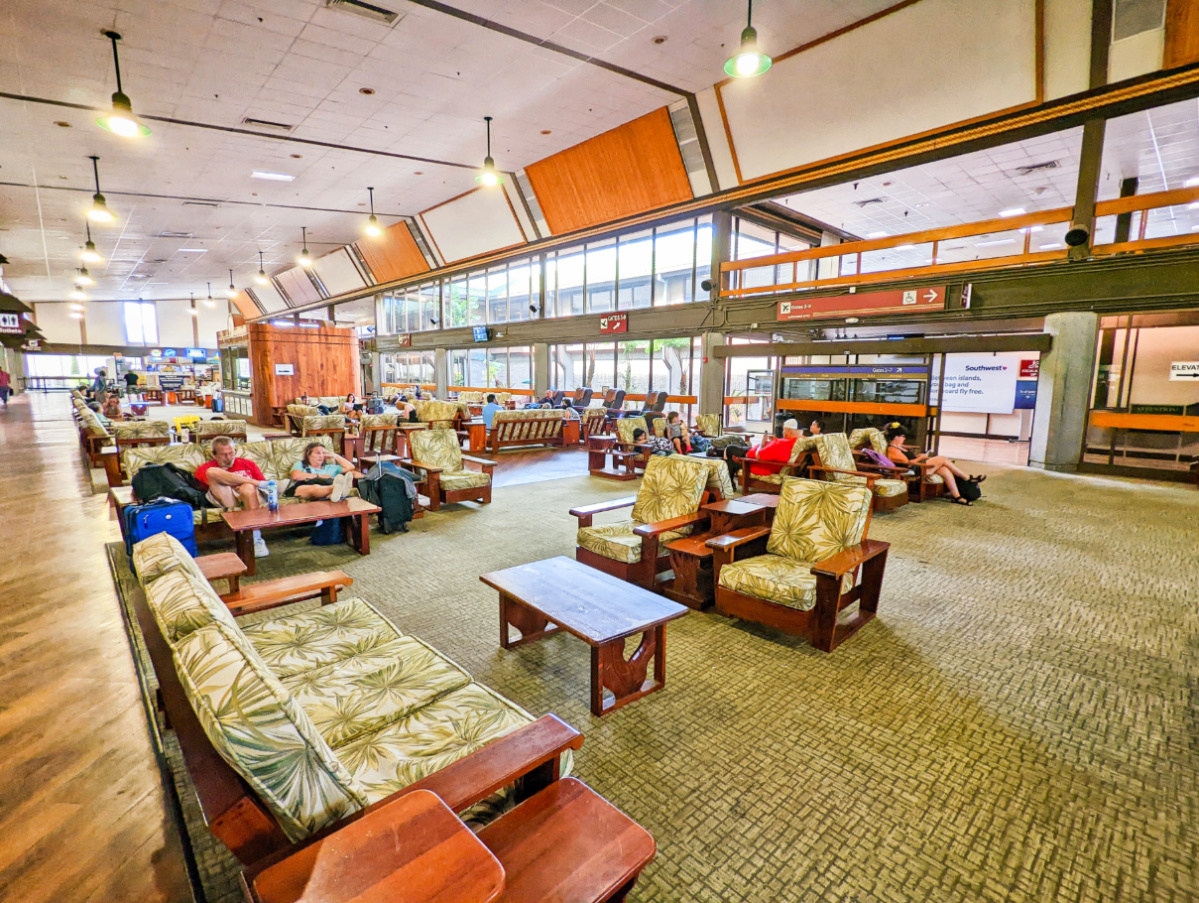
pixel 377 435
pixel 666 507
pixel 438 457
pixel 801 573
pixel 923 484
pixel 835 461
pixel 625 428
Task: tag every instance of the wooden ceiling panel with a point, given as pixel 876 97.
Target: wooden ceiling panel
pixel 393 255
pixel 633 168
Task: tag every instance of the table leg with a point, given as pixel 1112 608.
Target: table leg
pixel 358 529
pixel 626 678
pixel 245 550
pixel 532 626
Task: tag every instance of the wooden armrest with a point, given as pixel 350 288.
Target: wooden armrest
pixel 737 538
pixel 844 562
pixel 482 462
pixel 410 463
pixel 675 523
pixel 274 593
pixel 753 462
pixel 598 507
pixel 869 477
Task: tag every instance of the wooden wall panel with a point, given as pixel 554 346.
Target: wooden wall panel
pixel 1182 33
pixel 325 360
pixel 631 169
pixel 393 255
pixel 298 286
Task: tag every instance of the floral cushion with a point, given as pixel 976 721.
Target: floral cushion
pixel 593 419
pixel 529 424
pixel 437 448
pixel 210 429
pixel 626 426
pixel 464 479
pixel 141 429
pixel 275 457
pixel 377 420
pixel 672 487
pixel 618 541
pixel 660 426
pixel 438 414
pixel 708 424
pixel 890 488
pixel 322 422
pixel 258 728
pixel 160 554
pixel 93 423
pixel 303 410
pixel 429 739
pixel 801 446
pixel 816 519
pixel 871 436
pixel 934 478
pixel 187 457
pixel 182 602
pixel 834 452
pixel 718 476
pixel 777 579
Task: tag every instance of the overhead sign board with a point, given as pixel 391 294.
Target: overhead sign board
pixel 979 384
pixel 10 324
pixel 864 304
pixel 404 340
pixel 1030 369
pixel 1184 370
pixel 614 323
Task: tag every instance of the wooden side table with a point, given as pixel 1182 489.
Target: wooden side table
pixel 570 432
pixel 733 514
pixel 225 566
pixel 599 448
pixel 413 850
pixel 691 561
pixel 767 500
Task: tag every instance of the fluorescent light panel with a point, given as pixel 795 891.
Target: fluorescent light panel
pixel 997 241
pixel 193 250
pixel 1014 211
pixel 272 176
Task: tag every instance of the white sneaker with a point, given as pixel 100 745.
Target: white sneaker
pixel 341 487
pixel 260 549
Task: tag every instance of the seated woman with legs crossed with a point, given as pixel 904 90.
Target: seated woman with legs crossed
pixel 321 475
pixel 942 466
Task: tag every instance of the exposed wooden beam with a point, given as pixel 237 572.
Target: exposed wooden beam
pixel 972 343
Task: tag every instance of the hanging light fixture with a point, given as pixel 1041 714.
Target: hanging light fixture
pixel 232 290
pixel 194 312
pixel 90 254
pixel 305 259
pixel 84 277
pixel 78 295
pixel 121 120
pixel 373 229
pixel 489 175
pixel 260 277
pixel 748 60
pixel 209 301
pixel 99 211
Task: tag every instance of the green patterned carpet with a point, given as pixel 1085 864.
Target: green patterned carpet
pixel 1021 722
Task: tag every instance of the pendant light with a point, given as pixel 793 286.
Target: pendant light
pixel 121 120
pixel 78 295
pixel 373 229
pixel 99 212
pixel 84 277
pixel 194 312
pixel 90 254
pixel 232 290
pixel 488 176
pixel 305 259
pixel 260 277
pixel 209 302
pixel 749 61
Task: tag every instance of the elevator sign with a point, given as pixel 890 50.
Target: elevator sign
pixel 1184 370
pixel 864 304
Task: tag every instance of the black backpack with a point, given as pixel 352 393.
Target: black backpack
pixel 157 481
pixel 969 490
pixel 392 489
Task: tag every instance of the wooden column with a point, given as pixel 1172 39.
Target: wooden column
pixel 324 361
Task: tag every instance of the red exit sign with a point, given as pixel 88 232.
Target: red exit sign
pixel 614 323
pixel 864 304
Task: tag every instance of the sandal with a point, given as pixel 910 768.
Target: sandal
pixel 977 479
pixel 958 500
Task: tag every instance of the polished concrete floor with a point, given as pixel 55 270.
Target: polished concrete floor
pixel 83 814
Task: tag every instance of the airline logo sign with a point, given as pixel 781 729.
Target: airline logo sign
pixel 1184 370
pixel 10 324
pixel 865 304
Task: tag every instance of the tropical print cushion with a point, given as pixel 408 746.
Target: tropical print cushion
pixel 618 541
pixel 871 436
pixel 377 420
pixel 182 603
pixel 890 488
pixel 593 419
pixel 187 457
pixel 141 429
pixel 275 457
pixel 834 452
pixel 672 487
pixel 302 642
pixel 774 478
pixel 92 422
pixel 263 733
pixel 464 479
pixel 303 410
pixel 816 519
pixel 438 414
pixel 708 424
pixel 437 448
pixel 210 429
pixel 718 476
pixel 660 426
pixel 158 554
pixel 934 478
pixel 626 426
pixel 429 739
pixel 778 579
pixel 801 446
pixel 323 422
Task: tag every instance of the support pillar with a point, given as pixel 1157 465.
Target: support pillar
pixel 1064 391
pixel 441 372
pixel 711 375
pixel 541 369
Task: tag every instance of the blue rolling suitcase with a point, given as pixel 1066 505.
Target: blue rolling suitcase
pixel 160 516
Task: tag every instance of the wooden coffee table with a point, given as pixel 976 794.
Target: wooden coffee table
pixel 543 597
pixel 355 511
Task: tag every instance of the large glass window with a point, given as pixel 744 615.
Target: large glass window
pixel 635 269
pixel 567 283
pixel 492 368
pixel 674 264
pixel 407 368
pixel 601 277
pixel 141 323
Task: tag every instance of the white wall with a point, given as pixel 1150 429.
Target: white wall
pixel 1156 349
pixel 473 224
pixel 338 273
pixel 105 323
pixel 212 321
pixel 175 328
pixel 56 325
pixel 1067 47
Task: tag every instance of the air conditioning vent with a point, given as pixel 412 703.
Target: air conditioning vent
pixel 867 202
pixel 1036 167
pixel 174 234
pixel 213 204
pixel 266 124
pixel 366 10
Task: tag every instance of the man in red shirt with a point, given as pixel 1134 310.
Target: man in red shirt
pixel 229 478
pixel 775 449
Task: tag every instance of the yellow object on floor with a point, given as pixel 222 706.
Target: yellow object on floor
pixel 182 423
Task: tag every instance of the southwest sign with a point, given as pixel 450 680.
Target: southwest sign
pixel 864 304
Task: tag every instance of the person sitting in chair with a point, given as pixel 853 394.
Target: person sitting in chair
pixel 112 408
pixel 658 445
pixel 230 479
pixel 321 475
pixel 816 428
pixel 942 466
pixel 490 410
pixel 348 408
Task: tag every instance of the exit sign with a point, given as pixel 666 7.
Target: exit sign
pixel 614 323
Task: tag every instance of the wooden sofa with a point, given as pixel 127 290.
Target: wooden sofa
pixel 535 426
pixel 279 771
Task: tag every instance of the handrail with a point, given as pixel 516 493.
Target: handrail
pixel 1023 256
pixel 493 389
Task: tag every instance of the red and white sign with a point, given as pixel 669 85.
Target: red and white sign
pixel 1030 369
pixel 10 324
pixel 614 323
pixel 404 340
pixel 865 304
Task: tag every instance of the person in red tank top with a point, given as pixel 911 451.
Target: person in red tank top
pixel 775 449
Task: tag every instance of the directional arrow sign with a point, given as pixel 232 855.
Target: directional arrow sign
pixel 863 304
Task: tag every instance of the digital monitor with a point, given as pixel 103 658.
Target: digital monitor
pixel 481 334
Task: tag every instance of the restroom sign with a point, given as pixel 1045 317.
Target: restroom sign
pixel 10 324
pixel 1184 370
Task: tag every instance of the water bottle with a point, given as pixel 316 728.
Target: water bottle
pixel 272 496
